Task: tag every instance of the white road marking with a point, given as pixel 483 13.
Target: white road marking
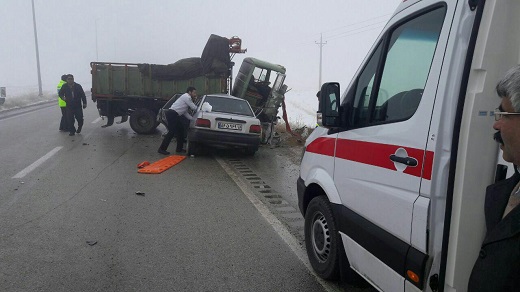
pixel 282 231
pixel 96 120
pixel 37 163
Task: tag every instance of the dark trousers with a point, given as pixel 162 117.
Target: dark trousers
pixel 63 122
pixel 74 112
pixel 175 127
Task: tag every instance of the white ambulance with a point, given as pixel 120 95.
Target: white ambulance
pixel 392 185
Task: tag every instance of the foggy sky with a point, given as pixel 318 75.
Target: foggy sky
pixel 162 32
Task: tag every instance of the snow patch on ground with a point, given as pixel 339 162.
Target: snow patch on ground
pixel 22 99
pixel 301 108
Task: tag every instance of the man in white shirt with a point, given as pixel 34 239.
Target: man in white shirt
pixel 173 116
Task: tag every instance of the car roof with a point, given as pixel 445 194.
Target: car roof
pixel 225 96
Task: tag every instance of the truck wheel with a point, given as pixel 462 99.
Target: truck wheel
pixel 322 239
pixel 143 121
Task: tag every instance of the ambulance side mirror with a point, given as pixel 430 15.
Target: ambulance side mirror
pixel 329 110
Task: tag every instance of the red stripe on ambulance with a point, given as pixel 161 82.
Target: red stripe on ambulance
pixel 375 154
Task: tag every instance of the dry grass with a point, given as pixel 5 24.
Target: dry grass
pixel 300 130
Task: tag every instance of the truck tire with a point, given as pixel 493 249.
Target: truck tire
pixel 322 239
pixel 143 121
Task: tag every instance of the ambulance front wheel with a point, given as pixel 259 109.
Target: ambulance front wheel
pixel 322 239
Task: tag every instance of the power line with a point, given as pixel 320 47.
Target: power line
pixel 344 26
pixel 378 24
pixel 338 35
pixel 356 32
pixel 359 22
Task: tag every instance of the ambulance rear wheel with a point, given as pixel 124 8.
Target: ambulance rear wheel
pixel 322 239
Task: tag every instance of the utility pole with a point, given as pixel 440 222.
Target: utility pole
pixel 321 43
pixel 97 59
pixel 37 53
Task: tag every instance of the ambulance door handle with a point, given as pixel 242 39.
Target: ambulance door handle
pixel 409 161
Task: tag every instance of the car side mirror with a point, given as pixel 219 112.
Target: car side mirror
pixel 329 109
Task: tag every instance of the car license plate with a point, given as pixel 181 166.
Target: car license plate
pixel 230 126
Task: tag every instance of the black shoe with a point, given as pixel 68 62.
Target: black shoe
pixel 164 152
pixel 78 130
pixel 71 134
pixel 181 151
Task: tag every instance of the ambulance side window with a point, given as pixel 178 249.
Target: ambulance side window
pixel 400 81
pixel 364 90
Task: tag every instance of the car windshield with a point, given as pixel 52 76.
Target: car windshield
pixel 229 105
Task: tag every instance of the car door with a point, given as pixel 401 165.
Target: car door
pixel 381 159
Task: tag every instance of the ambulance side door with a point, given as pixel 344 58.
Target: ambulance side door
pixel 381 157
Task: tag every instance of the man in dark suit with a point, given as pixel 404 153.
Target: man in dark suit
pixel 72 93
pixel 498 265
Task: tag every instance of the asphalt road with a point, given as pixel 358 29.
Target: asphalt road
pixel 70 219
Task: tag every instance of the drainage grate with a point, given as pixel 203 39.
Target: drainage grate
pixel 292 217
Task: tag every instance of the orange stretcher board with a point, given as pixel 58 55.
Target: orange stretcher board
pixel 162 165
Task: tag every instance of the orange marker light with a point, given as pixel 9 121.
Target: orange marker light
pixel 412 276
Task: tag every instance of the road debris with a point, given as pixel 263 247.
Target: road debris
pixel 91 242
pixel 139 193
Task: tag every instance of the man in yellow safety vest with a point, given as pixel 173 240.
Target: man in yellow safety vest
pixel 63 123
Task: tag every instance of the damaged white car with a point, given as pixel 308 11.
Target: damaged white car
pixel 224 121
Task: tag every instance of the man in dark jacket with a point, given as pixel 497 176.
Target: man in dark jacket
pixel 72 93
pixel 498 265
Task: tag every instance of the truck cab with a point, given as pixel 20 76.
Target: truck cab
pixel 392 184
pixel 262 85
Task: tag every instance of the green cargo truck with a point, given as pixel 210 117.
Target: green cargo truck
pixel 123 90
pixel 139 91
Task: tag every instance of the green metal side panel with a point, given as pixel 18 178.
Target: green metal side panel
pixel 164 89
pixel 126 80
pixel 118 81
pixel 216 85
pixel 100 83
pixel 135 82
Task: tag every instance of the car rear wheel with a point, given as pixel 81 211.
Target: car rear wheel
pixel 192 148
pixel 321 238
pixel 251 151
